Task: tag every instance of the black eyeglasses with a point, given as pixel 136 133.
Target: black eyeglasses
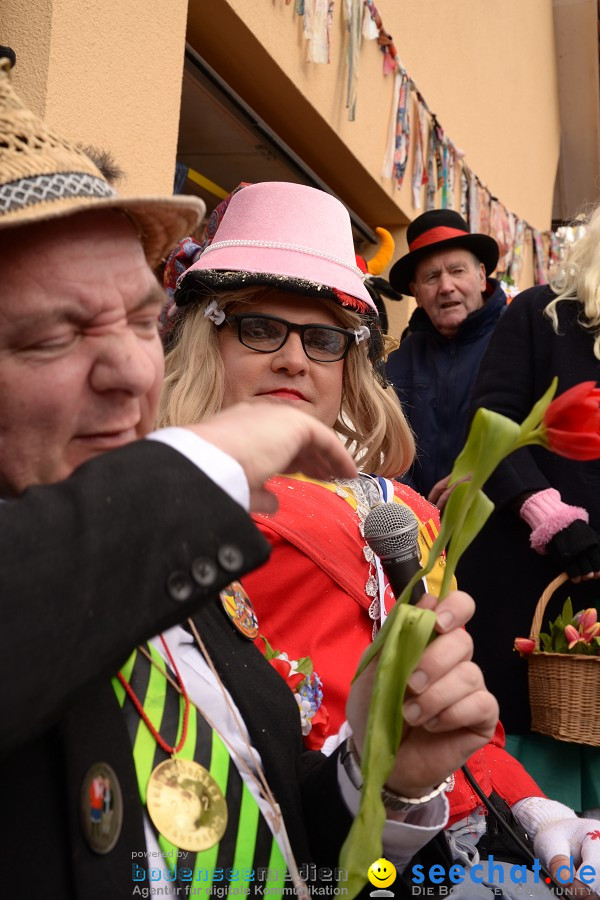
pixel 321 343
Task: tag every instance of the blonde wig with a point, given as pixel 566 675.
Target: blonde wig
pixel 578 278
pixel 371 420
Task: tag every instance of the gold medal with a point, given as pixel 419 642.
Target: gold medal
pixel 186 804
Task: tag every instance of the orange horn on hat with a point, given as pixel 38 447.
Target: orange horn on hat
pixel 383 257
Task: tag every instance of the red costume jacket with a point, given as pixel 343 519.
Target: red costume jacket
pixel 310 600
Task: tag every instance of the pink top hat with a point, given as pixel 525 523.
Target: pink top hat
pixel 286 235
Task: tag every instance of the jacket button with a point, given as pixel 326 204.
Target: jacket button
pixel 230 557
pixel 179 586
pixel 204 571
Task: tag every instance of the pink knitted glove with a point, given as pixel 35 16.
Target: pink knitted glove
pixel 546 515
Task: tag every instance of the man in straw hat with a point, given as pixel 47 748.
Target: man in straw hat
pixel 186 768
pixel 447 270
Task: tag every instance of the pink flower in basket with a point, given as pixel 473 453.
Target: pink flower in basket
pixel 587 628
pixel 525 646
pixel 579 633
pixel 572 635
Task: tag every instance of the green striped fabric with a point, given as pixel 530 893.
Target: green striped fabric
pixel 247 855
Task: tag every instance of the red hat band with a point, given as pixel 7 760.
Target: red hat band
pixel 435 235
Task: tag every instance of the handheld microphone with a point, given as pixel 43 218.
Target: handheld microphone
pixel 391 531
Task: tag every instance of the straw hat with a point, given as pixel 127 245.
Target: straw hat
pixel 287 235
pixel 44 176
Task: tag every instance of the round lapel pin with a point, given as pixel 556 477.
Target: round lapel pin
pixel 239 609
pixel 101 808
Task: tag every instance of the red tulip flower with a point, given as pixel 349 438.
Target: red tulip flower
pixel 525 646
pixel 571 423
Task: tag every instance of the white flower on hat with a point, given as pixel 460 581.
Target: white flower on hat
pixel 213 313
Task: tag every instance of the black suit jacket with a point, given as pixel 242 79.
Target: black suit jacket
pixel 132 543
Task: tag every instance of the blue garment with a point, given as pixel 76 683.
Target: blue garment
pixel 434 377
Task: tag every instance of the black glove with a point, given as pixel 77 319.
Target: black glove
pixel 576 549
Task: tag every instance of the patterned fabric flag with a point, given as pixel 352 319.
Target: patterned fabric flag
pixel 387 170
pixel 435 177
pixel 353 18
pixel 555 250
pixel 464 194
pixel 500 231
pixel 419 172
pixel 318 16
pixel 484 209
pixel 402 130
pixel 539 255
pixel 474 203
pixel 370 31
pixel 518 251
pixel 445 177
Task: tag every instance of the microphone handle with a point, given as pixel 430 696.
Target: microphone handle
pixel 399 572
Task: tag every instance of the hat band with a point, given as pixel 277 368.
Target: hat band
pixel 435 235
pixel 279 245
pixel 43 188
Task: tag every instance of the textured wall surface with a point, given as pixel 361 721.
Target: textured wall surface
pixel 108 73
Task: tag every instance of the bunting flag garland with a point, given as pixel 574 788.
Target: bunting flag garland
pixel 436 156
pixel 419 173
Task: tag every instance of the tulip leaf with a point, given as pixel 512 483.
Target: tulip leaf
pixel 537 412
pixel 491 438
pixel 546 642
pixel 406 639
pixel 477 514
pixel 567 612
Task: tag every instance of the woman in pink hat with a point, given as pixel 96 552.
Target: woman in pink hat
pixel 274 306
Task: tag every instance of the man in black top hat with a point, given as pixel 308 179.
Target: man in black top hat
pixel 447 270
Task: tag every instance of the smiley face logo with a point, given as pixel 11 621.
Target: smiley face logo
pixel 382 873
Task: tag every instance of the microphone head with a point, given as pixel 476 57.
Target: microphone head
pixel 391 530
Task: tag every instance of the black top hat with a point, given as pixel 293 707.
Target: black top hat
pixel 436 230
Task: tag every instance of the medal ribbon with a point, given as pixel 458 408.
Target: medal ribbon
pixel 248 842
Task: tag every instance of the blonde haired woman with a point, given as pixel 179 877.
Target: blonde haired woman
pixel 274 307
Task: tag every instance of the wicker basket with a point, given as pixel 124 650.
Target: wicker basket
pixel 564 689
